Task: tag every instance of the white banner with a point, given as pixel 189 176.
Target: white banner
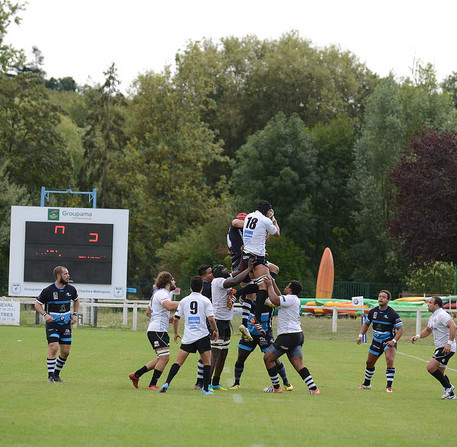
pixel 10 313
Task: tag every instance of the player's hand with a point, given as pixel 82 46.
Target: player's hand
pixel 251 263
pixel 447 348
pixel 48 318
pixel 413 339
pixel 176 337
pixel 267 280
pixel 73 319
pixel 358 340
pixel 215 335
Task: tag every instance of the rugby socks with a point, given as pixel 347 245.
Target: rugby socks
pixel 260 298
pixel 368 375
pixel 390 374
pixel 282 372
pixel 141 371
pixel 245 311
pixel 155 377
pixel 239 368
pixel 273 275
pixel 443 379
pixel 173 371
pixel 306 376
pixel 206 376
pixel 60 362
pixel 200 373
pixel 216 381
pixel 273 373
pixel 51 363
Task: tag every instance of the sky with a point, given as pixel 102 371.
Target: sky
pixel 82 38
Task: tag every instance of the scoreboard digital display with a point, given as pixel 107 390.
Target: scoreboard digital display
pixel 91 242
pixel 86 249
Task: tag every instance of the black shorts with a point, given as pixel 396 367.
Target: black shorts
pixel 58 333
pixel 378 347
pixel 201 345
pixel 159 340
pixel 224 328
pixel 262 341
pixel 287 342
pixel 258 260
pixel 441 357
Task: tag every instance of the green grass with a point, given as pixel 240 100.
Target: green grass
pixel 98 406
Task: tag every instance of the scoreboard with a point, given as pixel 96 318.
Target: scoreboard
pixel 91 243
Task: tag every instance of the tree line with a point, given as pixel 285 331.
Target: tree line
pixel 313 131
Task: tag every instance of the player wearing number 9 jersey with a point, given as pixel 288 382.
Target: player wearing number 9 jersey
pixel 194 309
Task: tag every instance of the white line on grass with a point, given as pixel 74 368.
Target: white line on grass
pixel 423 360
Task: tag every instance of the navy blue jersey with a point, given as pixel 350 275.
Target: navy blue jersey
pixel 234 240
pixel 206 289
pixel 56 302
pixel 384 323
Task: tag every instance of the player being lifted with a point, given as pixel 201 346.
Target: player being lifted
pixel 257 227
pixel 248 292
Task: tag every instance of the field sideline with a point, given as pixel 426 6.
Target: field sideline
pixel 98 405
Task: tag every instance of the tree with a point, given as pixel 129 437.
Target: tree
pixel 279 164
pixel 240 84
pixel 426 200
pixel 29 136
pixel 104 140
pixel 10 58
pixel 333 202
pixel 376 152
pixel 10 194
pixel 169 150
pixel 433 278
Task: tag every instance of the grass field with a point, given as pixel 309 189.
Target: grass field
pixel 97 405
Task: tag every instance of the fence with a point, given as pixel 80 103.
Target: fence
pixel 347 289
pixel 129 309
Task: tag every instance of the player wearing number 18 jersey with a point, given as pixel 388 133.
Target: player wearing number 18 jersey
pixel 257 226
pixel 194 309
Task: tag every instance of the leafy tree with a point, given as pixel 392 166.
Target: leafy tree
pixel 433 278
pixel 333 202
pixel 104 140
pixel 199 244
pixel 166 159
pixel 376 152
pixel 240 84
pixel 67 84
pixel 449 85
pixel 279 164
pixel 10 58
pixel 10 194
pixel 426 199
pixel 29 136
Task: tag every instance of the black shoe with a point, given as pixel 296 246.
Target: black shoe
pixel 50 379
pixel 57 379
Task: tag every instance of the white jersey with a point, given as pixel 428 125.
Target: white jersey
pixel 159 315
pixel 255 230
pixel 438 324
pixel 289 315
pixel 219 296
pixel 195 308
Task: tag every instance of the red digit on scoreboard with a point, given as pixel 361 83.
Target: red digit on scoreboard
pixel 61 227
pixel 95 237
